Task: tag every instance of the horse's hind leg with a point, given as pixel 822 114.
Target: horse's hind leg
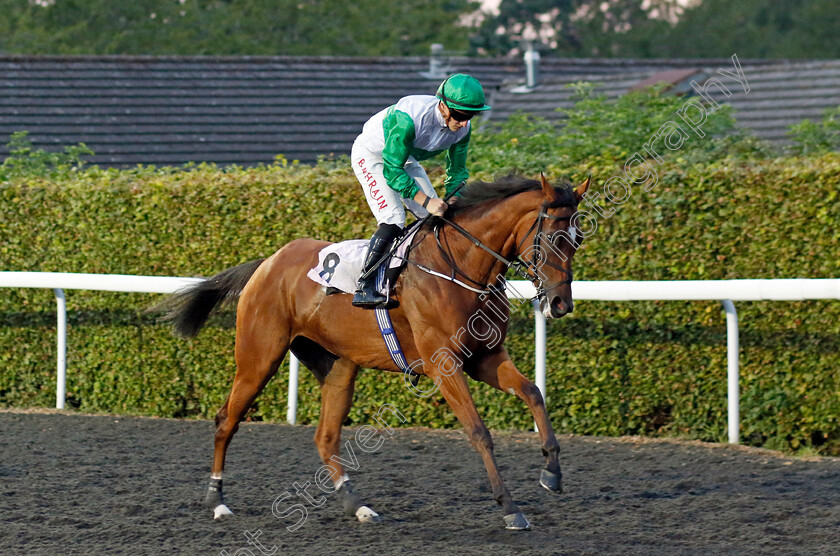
pixel 259 352
pixel 498 371
pixel 336 398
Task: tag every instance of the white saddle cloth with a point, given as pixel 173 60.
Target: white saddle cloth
pixel 340 264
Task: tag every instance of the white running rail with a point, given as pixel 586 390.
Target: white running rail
pixel 725 291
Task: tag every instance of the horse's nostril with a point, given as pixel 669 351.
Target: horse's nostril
pixel 560 307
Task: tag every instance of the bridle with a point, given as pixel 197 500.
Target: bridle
pixel 535 247
pixel 520 268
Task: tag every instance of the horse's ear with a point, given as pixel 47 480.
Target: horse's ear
pixel 580 191
pixel 547 189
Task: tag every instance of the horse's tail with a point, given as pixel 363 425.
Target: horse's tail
pixel 188 309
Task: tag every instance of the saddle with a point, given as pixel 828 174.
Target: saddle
pixel 339 268
pixel 340 264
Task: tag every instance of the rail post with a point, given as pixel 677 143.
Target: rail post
pixel 732 371
pixel 294 371
pixel 61 352
pixel 539 350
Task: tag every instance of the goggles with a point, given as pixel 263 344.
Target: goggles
pixel 459 116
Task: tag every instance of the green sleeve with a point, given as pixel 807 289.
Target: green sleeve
pixel 399 137
pixel 456 163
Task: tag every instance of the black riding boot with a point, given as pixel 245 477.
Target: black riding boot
pixel 366 295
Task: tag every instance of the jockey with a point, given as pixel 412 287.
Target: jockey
pixel 385 159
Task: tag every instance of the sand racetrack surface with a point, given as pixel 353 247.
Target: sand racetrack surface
pixel 75 484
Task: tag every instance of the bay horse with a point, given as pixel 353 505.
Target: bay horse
pixel 454 263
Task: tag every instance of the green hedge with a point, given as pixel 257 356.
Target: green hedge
pixel 656 368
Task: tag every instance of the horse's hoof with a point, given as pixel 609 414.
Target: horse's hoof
pixel 551 482
pixel 221 511
pixel 366 515
pixel 517 522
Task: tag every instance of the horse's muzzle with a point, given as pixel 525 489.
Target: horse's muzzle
pixel 561 306
pixel 556 307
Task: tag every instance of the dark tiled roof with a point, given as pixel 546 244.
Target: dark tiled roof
pixel 672 77
pixel 783 95
pixel 780 94
pixel 246 110
pixel 554 93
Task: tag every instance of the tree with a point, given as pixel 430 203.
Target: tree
pixel 755 29
pixel 665 28
pixel 232 27
pixel 520 21
pixel 572 27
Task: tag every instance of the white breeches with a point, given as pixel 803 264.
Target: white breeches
pixel 385 203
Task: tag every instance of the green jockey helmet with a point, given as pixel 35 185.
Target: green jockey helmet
pixel 462 92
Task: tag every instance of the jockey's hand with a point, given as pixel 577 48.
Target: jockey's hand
pixel 437 206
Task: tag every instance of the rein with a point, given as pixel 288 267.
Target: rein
pixel 520 267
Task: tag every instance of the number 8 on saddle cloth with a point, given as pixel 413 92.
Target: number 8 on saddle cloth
pixel 338 270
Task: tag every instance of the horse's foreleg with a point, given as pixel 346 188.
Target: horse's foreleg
pixel 498 371
pixel 258 355
pixel 457 395
pixel 336 399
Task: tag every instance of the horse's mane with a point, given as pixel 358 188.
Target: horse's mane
pixel 478 192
